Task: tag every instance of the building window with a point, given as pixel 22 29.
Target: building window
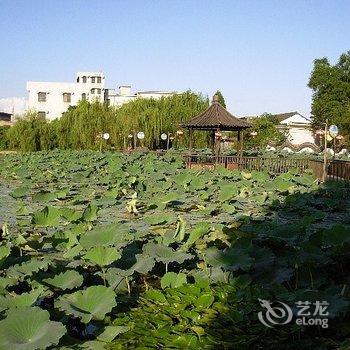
pixel 83 96
pixel 93 80
pixel 93 91
pixel 99 80
pixel 78 80
pixel 41 114
pixel 42 96
pixel 99 91
pixel 67 97
pixel 84 79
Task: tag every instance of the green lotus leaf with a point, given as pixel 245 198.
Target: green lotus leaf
pixel 29 328
pixel 159 219
pixel 70 214
pixel 23 211
pixel 102 256
pixel 90 213
pixel 260 176
pixel 143 264
pixel 230 259
pixel 173 280
pixel 90 345
pixel 19 192
pixel 73 252
pixel 21 300
pixel 7 281
pixel 199 231
pixel 49 216
pixel 91 303
pixel 105 235
pixel 4 253
pixel 204 301
pixel 198 183
pixel 281 184
pixel 27 268
pixel 46 196
pixel 66 280
pixel 116 279
pixel 336 235
pixel 156 296
pixel 110 332
pixel 165 254
pixel 227 192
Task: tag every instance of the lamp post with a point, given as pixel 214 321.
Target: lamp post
pixel 103 136
pixel 325 151
pixel 167 137
pixel 333 132
pixel 179 134
pixel 141 136
pixel 130 137
pixel 253 134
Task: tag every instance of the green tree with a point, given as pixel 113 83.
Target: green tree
pixel 29 133
pixel 3 138
pixel 331 93
pixel 266 132
pixel 221 98
pixel 81 126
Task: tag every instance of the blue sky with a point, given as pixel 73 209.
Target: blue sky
pixel 258 53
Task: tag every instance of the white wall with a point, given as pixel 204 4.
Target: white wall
pixel 299 129
pixel 299 135
pixel 117 99
pixel 154 94
pixel 54 105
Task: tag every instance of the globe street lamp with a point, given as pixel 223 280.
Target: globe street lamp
pixel 141 135
pixel 333 133
pixel 103 136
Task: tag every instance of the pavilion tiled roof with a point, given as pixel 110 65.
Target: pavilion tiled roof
pixel 216 117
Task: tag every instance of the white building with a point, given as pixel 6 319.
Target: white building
pixel 123 95
pixel 297 126
pixel 51 99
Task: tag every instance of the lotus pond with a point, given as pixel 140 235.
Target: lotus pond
pixel 105 250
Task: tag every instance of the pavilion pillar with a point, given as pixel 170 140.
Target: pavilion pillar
pixel 190 149
pixel 213 141
pixel 191 132
pixel 240 139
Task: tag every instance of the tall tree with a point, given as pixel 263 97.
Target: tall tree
pixel 81 126
pixel 221 98
pixel 331 93
pixel 266 132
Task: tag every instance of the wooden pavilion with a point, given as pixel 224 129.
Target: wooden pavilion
pixel 215 120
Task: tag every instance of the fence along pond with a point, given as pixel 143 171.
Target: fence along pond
pixel 336 170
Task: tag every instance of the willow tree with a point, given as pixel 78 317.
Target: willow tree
pixel 29 133
pixel 155 117
pixel 81 126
